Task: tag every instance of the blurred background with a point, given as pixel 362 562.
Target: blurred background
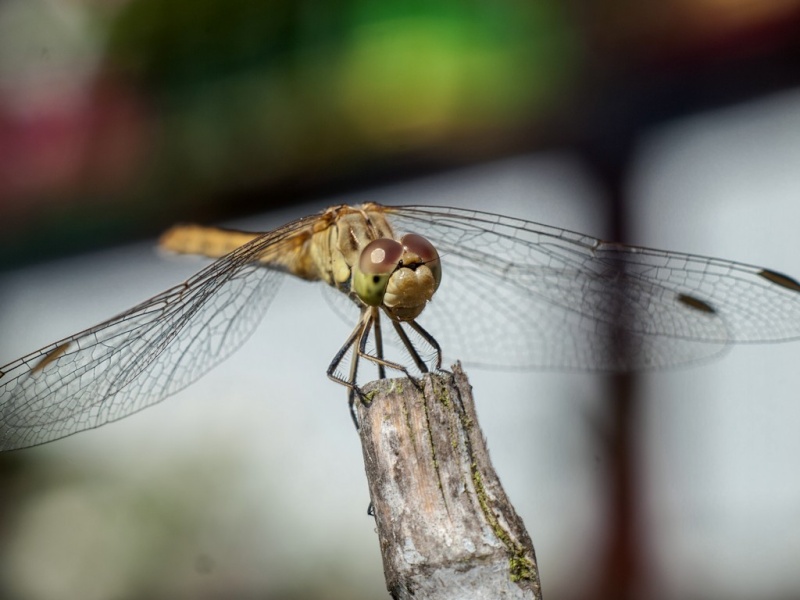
pixel 675 126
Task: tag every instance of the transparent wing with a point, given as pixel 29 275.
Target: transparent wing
pixel 141 356
pixel 517 294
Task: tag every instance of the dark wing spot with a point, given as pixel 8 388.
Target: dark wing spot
pixel 50 357
pixel 696 304
pixel 375 279
pixel 780 279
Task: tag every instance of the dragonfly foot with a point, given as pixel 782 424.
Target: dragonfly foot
pixel 351 404
pixel 416 382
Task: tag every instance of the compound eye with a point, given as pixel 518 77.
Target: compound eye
pixel 380 257
pixel 416 244
pixel 377 262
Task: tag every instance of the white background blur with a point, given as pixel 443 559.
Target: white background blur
pixel 252 478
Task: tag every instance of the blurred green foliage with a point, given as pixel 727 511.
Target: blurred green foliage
pixel 199 109
pixel 249 93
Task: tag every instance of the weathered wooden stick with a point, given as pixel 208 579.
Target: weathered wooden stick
pixel 445 525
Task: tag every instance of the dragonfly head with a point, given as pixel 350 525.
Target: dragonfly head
pixel 400 275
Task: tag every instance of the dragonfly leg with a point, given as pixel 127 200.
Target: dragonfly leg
pixel 381 362
pixel 351 405
pixel 337 359
pixel 431 340
pixel 357 342
pixel 350 382
pixel 379 345
pixel 412 351
pixel 367 322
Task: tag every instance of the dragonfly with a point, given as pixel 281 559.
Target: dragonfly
pixel 487 289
